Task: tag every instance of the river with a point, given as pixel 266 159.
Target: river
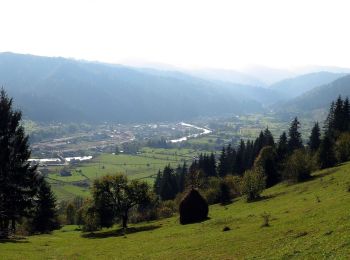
pixel 185 138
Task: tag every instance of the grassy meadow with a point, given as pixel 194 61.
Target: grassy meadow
pixel 310 220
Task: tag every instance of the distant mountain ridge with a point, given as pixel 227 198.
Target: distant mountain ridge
pixel 58 89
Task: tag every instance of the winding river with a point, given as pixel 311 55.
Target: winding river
pixel 185 138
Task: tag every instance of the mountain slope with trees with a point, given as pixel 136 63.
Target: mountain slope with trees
pixel 320 97
pixel 299 85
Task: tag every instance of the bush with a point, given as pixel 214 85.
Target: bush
pixel 253 183
pixel 211 195
pixel 166 209
pixel 234 182
pixel 297 166
pixel 193 208
pixel 211 190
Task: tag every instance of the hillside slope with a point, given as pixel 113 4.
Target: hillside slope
pixel 319 98
pixel 308 220
pixel 299 85
pixel 57 89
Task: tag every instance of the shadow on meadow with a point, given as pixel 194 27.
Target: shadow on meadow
pixel 326 173
pixel 120 232
pixel 14 240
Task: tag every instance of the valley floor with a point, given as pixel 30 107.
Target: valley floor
pixel 308 220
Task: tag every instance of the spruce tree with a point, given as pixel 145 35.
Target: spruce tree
pixel 168 186
pixel 282 147
pixel 212 166
pixel 157 183
pixel 240 159
pixel 329 123
pixel 326 154
pixel 223 167
pixel 268 138
pixel 294 141
pixel 17 177
pixel 45 217
pixel 314 140
pixel 339 120
pixel 346 112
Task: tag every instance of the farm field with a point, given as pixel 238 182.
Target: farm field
pixel 310 220
pixel 144 165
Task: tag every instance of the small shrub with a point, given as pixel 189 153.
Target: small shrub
pixel 166 209
pixel 165 212
pixel 318 200
pixel 211 195
pixel 266 219
pixel 226 229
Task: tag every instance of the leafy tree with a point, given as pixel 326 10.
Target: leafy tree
pixel 90 217
pixel 45 217
pixel 17 177
pixel 294 141
pixel 121 194
pixel 342 147
pixel 70 214
pixel 297 167
pixel 253 183
pixel 315 140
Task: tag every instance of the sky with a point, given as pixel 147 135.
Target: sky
pixel 190 34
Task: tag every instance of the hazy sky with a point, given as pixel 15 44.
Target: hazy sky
pixel 189 33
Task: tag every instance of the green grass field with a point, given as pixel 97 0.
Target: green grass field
pixel 310 220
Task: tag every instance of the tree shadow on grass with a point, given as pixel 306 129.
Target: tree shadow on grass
pixel 120 232
pixel 325 173
pixel 14 240
pixel 267 197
